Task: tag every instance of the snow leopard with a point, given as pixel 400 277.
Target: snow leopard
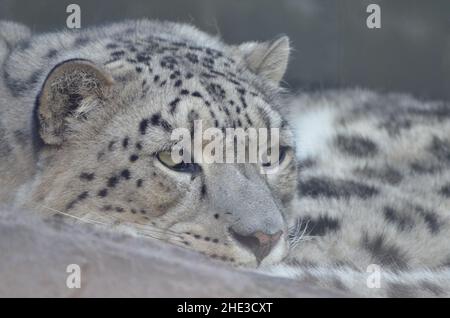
pixel 362 180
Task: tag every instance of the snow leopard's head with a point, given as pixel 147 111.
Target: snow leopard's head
pixel 103 138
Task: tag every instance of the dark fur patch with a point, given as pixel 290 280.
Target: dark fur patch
pixel 403 222
pixel 103 193
pixel 387 174
pixel 440 149
pixel 319 226
pixel 82 196
pixel 143 126
pixel 203 191
pixel 356 146
pixel 335 188
pixel 430 218
pixel 134 157
pixel 173 105
pixel 156 120
pixel 424 167
pixel 113 181
pixel 445 190
pixel 85 176
pixel 125 174
pixel 384 253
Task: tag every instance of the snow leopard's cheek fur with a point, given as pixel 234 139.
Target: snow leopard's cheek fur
pixel 98 128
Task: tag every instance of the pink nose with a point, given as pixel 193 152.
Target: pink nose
pixel 259 243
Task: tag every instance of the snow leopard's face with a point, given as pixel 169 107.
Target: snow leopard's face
pixel 105 133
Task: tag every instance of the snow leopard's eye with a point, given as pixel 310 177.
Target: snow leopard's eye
pixel 266 162
pixel 165 157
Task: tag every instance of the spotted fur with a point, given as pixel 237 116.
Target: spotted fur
pixel 84 114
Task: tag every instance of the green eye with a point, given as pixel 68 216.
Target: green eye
pixel 165 157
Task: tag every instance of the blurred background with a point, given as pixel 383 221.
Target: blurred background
pixel 333 48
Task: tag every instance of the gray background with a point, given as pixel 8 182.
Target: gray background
pixel 333 46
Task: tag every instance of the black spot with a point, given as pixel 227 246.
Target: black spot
pixel 143 126
pixel 156 78
pixel 113 181
pixel 335 188
pixel 193 58
pixel 174 75
pixel 138 69
pixel 216 92
pixel 168 62
pixel 356 146
pixel 155 119
pixel 216 216
pixel 125 174
pixel 243 102
pixel 125 142
pixel 173 104
pixel 403 222
pixel 139 183
pixel 203 191
pixel 138 146
pixel 178 83
pixel 134 157
pixel 103 193
pixel 249 121
pixel 384 254
pixel 119 209
pixel 143 57
pixel 87 176
pixel 107 208
pixel 184 92
pixel 196 94
pixel 117 54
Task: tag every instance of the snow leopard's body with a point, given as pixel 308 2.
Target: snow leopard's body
pixel 373 184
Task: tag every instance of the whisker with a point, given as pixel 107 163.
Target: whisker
pixel 73 216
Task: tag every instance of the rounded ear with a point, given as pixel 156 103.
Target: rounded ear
pixel 70 90
pixel 267 59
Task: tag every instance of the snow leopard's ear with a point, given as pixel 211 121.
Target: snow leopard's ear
pixel 70 91
pixel 267 59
